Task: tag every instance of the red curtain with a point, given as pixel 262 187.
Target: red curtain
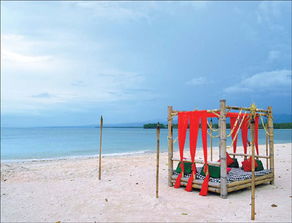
pixel 194 127
pixel 244 133
pixel 233 135
pixel 182 130
pixel 204 115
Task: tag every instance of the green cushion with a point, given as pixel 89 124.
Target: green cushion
pixel 260 165
pixel 187 166
pixel 214 171
pixel 234 164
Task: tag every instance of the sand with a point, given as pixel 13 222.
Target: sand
pixel 69 190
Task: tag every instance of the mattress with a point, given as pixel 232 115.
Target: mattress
pixel 235 174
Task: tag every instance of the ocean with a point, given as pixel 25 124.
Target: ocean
pixel 59 142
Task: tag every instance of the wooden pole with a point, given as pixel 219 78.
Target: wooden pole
pixel 170 146
pixel 157 158
pixel 222 148
pixel 253 109
pixel 211 140
pixel 248 155
pixel 267 148
pixel 100 147
pixel 271 141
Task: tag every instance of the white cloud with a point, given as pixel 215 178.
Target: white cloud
pixel 114 10
pixel 197 81
pixel 273 55
pixel 32 81
pixel 268 12
pixel 20 58
pixel 278 81
pixel 121 11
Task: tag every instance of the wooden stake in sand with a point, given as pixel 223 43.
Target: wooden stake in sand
pixel 253 110
pixel 170 146
pixel 157 158
pixel 100 146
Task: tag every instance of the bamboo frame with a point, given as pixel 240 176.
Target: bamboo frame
pixel 224 188
pixel 222 150
pixel 246 185
pixel 246 109
pixel 253 162
pixel 198 186
pixel 242 154
pixel 231 187
pixel 267 149
pixel 271 141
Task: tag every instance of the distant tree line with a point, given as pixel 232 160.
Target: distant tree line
pixel 287 125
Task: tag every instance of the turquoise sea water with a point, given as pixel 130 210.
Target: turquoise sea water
pixel 42 143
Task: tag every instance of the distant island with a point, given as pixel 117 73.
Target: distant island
pixel 287 125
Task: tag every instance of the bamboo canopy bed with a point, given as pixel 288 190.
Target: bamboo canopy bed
pixel 244 120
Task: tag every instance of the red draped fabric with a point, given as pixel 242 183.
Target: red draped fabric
pixel 196 118
pixel 204 189
pixel 232 114
pixel 233 135
pixel 244 133
pixel 194 127
pixel 182 130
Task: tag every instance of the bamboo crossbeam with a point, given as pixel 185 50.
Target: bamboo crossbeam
pixel 242 154
pixel 236 183
pixel 242 186
pixel 198 161
pixel 197 186
pixel 174 113
pixel 246 109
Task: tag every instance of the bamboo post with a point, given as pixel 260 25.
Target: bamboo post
pixel 100 147
pixel 271 142
pixel 267 148
pixel 253 109
pixel 170 146
pixel 222 148
pixel 211 140
pixel 157 157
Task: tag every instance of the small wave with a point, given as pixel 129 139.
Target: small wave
pixel 72 157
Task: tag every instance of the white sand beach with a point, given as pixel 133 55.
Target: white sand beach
pixel 69 190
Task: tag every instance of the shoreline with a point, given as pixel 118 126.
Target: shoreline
pixel 77 157
pixel 123 154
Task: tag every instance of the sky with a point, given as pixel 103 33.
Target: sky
pixel 66 63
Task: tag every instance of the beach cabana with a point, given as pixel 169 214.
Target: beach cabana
pixel 225 174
